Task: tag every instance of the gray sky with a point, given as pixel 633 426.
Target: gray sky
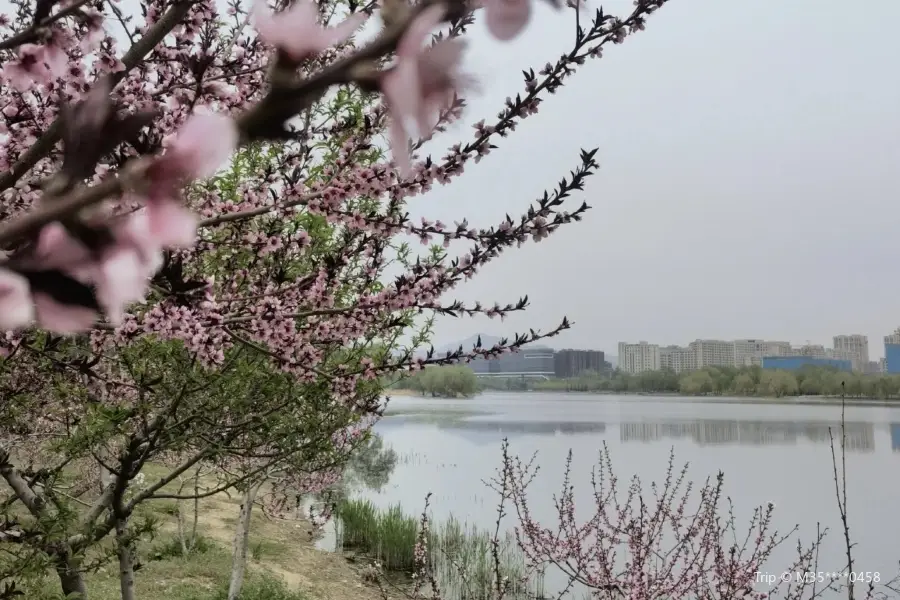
pixel 749 182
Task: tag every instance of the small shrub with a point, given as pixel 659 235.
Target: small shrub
pixel 263 587
pixel 171 548
pixel 256 551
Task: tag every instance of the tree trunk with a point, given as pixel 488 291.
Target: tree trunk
pixel 196 521
pixel 126 562
pixel 182 534
pixel 241 541
pixel 70 578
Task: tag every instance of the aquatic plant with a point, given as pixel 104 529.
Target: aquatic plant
pixel 459 554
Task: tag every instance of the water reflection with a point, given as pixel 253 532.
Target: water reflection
pixel 525 427
pixel 860 437
pixel 770 452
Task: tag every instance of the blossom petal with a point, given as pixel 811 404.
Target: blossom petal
pixel 293 31
pixel 507 18
pixel 56 249
pixel 62 318
pixel 400 147
pixel 411 44
pixel 16 308
pixel 170 224
pixel 124 279
pixel 56 60
pixel 203 143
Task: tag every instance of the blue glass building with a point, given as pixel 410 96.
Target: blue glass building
pixel 892 358
pixel 792 363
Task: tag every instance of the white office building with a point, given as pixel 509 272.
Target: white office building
pixel 677 358
pixel 748 353
pixel 713 353
pixel 637 358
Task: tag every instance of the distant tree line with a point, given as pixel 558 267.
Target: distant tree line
pixel 442 382
pixel 746 381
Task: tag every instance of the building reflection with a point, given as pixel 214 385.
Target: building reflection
pixel 895 437
pixel 525 427
pixel 860 437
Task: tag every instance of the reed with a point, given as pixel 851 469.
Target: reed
pixel 459 553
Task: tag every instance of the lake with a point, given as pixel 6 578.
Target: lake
pixel 769 452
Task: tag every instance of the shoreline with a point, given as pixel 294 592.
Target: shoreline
pixel 806 400
pixel 674 396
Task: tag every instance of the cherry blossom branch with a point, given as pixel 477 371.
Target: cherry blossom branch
pixel 44 144
pixel 34 32
pixel 263 121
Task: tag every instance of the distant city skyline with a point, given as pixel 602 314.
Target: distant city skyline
pixel 874 350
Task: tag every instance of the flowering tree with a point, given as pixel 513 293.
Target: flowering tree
pixel 213 198
pixel 670 539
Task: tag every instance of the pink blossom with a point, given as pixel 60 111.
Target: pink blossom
pixel 56 60
pixel 203 143
pixel 123 279
pixel 507 18
pixel 62 318
pixel 126 268
pixel 420 81
pixel 296 30
pixel 120 272
pixel 56 249
pixel 28 68
pixel 95 33
pixel 16 309
pixel 170 224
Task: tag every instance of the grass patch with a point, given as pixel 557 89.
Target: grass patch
pixel 195 577
pixel 263 587
pixel 459 553
pixel 171 548
pixel 165 573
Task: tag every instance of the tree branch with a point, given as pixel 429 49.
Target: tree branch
pixel 44 145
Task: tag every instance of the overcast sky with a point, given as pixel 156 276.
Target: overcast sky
pixel 749 182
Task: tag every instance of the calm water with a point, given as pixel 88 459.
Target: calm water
pixel 768 452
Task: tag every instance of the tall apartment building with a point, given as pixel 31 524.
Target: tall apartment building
pixel 713 353
pixel 637 358
pixel 677 358
pixel 855 347
pixel 748 353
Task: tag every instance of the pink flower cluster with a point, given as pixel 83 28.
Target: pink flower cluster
pixel 36 63
pixel 118 268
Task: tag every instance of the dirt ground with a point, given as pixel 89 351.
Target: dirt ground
pixel 287 549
